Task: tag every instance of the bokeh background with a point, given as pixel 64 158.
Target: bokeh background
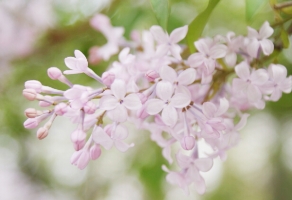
pixel 38 34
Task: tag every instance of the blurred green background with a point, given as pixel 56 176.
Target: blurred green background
pixel 259 168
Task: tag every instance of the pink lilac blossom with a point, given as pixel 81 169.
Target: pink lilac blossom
pixel 161 91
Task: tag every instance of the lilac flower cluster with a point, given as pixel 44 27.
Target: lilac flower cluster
pixel 158 86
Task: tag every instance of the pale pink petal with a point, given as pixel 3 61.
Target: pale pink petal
pixel 159 35
pixel 132 102
pixel 178 34
pixel 259 77
pixel 168 74
pixel 154 106
pixel 230 59
pixel 277 72
pixel 253 47
pixel 78 54
pixel 200 185
pixel 108 102
pixel 169 115
pixel 122 146
pixel 124 53
pixel 182 160
pixel 166 152
pixel 210 65
pixel 204 164
pixel 187 77
pixel 252 33
pixel 224 105
pixel 242 122
pixel 119 114
pixel 202 46
pixel 100 137
pixel 253 94
pixel 243 70
pixel 196 60
pixel 266 30
pixel 120 133
pixel 267 46
pixel 209 109
pixel 218 51
pixel 276 95
pixel 118 89
pixel 162 50
pixel 180 100
pixel 286 84
pixel 164 90
pixel 71 62
pixel 175 51
pixel 83 160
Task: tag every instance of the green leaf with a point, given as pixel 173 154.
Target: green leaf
pixel 252 7
pixel 197 26
pixel 285 38
pixel 161 11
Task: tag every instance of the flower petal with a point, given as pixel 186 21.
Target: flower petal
pixel 168 74
pixel 118 89
pixel 178 34
pixel 267 46
pixel 169 115
pixel 108 102
pixel 164 90
pixel 277 72
pixel 218 51
pixel 70 62
pixel 253 48
pixel 100 137
pixel 120 133
pixel 243 70
pixel 154 106
pixel 242 122
pixel 132 102
pixel 187 77
pixel 122 146
pixel 253 93
pixel 119 114
pixel 224 105
pixel 259 77
pixel 209 109
pixel 204 164
pixel 266 30
pixel 180 100
pixel 161 50
pixel 175 51
pixel 159 35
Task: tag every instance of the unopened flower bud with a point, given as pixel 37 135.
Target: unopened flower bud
pixel 42 133
pixel 31 123
pixel 151 75
pixel 95 152
pixel 29 94
pixel 61 109
pixel 32 112
pixel 89 107
pixel 54 73
pixel 188 142
pixel 33 84
pixel 108 78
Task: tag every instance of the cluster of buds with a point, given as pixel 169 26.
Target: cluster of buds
pixel 158 86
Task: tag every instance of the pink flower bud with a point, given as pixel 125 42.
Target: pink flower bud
pixel 61 109
pixel 108 78
pixel 29 94
pixel 42 133
pixel 78 138
pixel 54 73
pixel 32 113
pixel 80 159
pixel 188 142
pixel 36 85
pixel 89 107
pixel 151 75
pixel 31 123
pixel 95 152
